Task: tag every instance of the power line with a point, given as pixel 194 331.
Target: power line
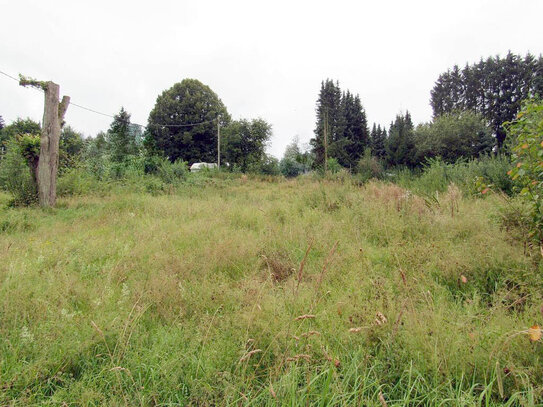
pixel 109 115
pixel 9 76
pixel 91 110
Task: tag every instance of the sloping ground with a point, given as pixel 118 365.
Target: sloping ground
pixel 257 293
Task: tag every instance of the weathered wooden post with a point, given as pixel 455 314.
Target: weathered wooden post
pixel 53 117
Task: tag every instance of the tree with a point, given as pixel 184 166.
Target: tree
pixel 295 160
pixel 121 140
pixel 400 144
pixel 494 88
pixel 2 123
pixel 244 143
pixel 347 130
pixel 378 139
pixel 183 123
pixel 526 135
pixel 17 128
pixel 71 148
pixel 353 135
pixel 452 136
pixel 328 105
pixel 95 155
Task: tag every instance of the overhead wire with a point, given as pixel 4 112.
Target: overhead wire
pixel 109 115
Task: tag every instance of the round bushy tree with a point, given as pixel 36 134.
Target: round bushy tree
pixel 173 128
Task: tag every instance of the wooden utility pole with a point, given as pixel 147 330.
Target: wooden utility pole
pixel 53 117
pixel 218 142
pixel 326 141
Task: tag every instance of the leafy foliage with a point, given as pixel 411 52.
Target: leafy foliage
pixel 244 143
pixel 295 161
pixel 494 87
pixel 369 166
pixel 452 136
pixel 526 134
pixel 71 148
pixel 173 128
pixel 17 128
pixel 16 176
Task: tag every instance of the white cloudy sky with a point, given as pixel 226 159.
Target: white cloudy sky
pixel 263 59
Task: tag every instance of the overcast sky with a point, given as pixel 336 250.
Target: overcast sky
pixel 263 59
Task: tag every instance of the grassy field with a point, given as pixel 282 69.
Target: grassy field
pixel 245 292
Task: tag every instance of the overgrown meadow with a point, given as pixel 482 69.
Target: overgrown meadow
pixel 235 290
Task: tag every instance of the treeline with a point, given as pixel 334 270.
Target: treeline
pixel 182 128
pixel 470 106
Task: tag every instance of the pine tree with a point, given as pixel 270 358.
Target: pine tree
pixel 400 145
pixel 329 104
pixel 378 140
pixel 348 133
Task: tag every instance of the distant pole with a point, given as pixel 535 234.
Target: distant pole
pixel 326 140
pixel 218 143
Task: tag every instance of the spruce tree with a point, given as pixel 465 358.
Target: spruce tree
pixel 400 146
pixel 348 133
pixel 494 87
pixel 329 104
pixel 378 140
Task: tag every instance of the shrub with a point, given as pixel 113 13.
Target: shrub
pixel 291 168
pixel 76 181
pixel 526 137
pixel 15 175
pixel 369 166
pixel 172 173
pixel 333 165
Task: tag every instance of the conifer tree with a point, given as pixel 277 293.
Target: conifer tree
pixel 400 145
pixel 378 140
pixel 493 87
pixel 348 133
pixel 329 104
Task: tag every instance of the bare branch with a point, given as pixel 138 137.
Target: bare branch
pixel 63 106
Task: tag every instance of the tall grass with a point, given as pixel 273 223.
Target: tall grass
pixel 437 175
pixel 239 291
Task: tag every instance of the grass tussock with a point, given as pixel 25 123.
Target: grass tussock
pixel 256 292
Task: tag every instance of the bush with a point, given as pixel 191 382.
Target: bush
pixel 526 135
pixel 15 176
pixel 333 166
pixel 291 168
pixel 172 173
pixel 437 175
pixel 369 167
pixel 76 181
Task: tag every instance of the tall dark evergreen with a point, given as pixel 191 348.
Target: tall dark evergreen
pixel 400 144
pixel 329 104
pixel 2 123
pixel 348 133
pixel 493 87
pixel 378 139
